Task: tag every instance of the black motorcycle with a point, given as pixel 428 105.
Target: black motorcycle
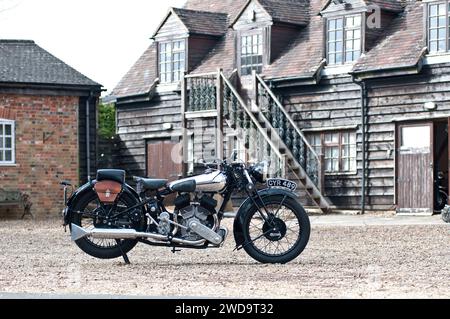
pixel 108 218
pixel 440 191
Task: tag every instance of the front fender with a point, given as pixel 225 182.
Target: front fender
pixel 238 228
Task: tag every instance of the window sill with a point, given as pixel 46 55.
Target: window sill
pixel 7 165
pixel 437 58
pixel 168 87
pixel 337 69
pixel 342 174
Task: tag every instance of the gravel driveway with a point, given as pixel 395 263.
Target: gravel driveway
pixel 400 261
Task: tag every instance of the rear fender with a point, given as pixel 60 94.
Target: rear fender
pixel 238 227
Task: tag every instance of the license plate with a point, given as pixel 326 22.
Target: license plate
pixel 281 183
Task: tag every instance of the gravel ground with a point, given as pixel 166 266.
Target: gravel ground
pixel 409 261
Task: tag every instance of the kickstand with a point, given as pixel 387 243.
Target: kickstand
pixel 124 255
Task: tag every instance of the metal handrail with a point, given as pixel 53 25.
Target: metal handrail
pixel 286 114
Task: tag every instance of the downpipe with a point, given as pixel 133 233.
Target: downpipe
pixel 99 233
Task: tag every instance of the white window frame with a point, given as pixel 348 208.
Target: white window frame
pixel 4 122
pixel 252 51
pixel 319 144
pixel 437 27
pixel 172 74
pixel 344 29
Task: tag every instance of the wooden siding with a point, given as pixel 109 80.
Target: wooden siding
pixel 136 121
pixel 333 103
pixel 172 28
pixel 262 18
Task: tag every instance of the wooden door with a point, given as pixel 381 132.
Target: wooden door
pixel 415 168
pixel 160 163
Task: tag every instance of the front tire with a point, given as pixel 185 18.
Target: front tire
pixel 284 238
pixel 103 248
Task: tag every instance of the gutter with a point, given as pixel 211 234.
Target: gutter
pixel 363 97
pixel 88 136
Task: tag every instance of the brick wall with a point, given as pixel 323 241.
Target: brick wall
pixel 46 140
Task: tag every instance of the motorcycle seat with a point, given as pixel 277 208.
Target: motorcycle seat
pixel 152 184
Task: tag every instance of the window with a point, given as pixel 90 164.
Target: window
pixel 438 27
pixel 343 39
pixel 338 149
pixel 251 54
pixel 7 146
pixel 172 56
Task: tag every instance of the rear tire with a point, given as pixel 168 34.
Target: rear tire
pixel 294 248
pixel 86 244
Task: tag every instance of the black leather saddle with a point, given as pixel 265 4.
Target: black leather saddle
pixel 150 183
pixel 115 175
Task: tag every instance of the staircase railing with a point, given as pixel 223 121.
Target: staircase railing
pixel 258 144
pixel 289 132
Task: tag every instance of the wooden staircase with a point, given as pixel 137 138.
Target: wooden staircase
pixel 269 133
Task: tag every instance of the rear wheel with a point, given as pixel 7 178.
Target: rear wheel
pixel 282 237
pixel 93 215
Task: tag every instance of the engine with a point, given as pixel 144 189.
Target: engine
pixel 202 211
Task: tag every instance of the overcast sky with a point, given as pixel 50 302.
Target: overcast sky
pixel 100 38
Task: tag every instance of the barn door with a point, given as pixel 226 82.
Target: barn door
pixel 415 168
pixel 159 160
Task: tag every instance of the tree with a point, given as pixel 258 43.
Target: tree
pixel 107 121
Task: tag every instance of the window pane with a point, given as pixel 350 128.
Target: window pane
pixel 7 129
pixel 433 22
pixel 8 142
pixel 1 156
pixel 1 142
pixel 433 10
pixel 415 137
pixel 339 24
pixel 433 46
pixel 339 58
pixel 442 45
pixel 1 129
pixel 8 156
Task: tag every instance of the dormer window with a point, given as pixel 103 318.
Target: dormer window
pixel 172 60
pixel 344 43
pixel 438 27
pixel 251 53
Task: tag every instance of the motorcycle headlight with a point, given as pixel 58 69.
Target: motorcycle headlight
pixel 259 171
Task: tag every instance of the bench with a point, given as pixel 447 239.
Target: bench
pixel 16 198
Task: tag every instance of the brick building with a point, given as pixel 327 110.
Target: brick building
pixel 44 107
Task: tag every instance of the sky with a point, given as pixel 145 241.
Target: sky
pixel 100 38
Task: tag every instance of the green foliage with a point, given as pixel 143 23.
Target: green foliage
pixel 107 121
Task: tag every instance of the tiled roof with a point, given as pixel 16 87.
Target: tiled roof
pixel 304 55
pixel 23 61
pixel 140 77
pixel 202 22
pixel 285 11
pixel 231 7
pixel 401 45
pixel 389 5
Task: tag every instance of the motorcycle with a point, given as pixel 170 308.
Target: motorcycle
pixel 440 191
pixel 108 218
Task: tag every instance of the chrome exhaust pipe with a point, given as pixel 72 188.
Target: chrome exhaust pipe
pixel 99 233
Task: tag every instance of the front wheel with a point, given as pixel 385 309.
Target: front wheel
pixel 282 236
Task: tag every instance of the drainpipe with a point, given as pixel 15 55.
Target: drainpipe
pixel 362 85
pixel 88 137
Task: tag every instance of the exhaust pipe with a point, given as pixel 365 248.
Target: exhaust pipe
pixel 99 233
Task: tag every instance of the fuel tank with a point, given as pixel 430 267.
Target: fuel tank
pixel 214 182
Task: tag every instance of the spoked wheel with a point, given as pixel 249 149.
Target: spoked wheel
pixel 282 237
pixel 93 216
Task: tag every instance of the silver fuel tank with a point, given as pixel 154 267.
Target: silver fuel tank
pixel 214 182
